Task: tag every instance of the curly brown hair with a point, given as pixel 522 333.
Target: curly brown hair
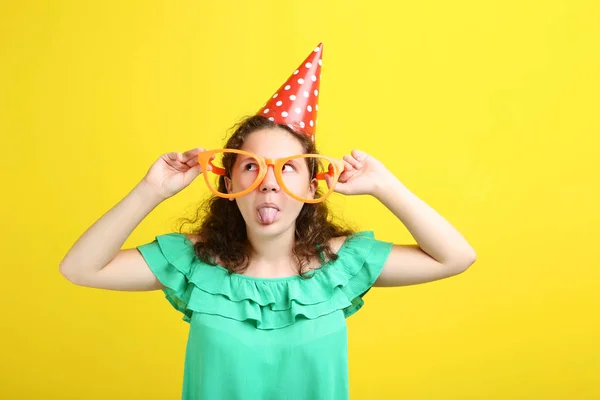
pixel 222 228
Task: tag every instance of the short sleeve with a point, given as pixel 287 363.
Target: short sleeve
pixel 172 259
pixel 362 258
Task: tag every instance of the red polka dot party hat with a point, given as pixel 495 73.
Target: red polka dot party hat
pixel 295 103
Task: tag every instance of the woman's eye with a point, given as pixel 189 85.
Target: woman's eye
pixel 250 167
pixel 288 167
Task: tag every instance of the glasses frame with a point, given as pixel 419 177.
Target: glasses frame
pixel 336 167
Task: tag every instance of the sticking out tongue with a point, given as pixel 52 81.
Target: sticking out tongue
pixel 267 215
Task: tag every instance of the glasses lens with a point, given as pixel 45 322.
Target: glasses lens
pixel 302 175
pixel 242 167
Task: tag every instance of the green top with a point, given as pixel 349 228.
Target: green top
pixel 260 338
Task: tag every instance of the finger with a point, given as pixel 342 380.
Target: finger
pixel 192 162
pixel 172 155
pixel 346 175
pixel 340 187
pixel 173 159
pixel 352 161
pixel 192 174
pixel 328 181
pixel 359 155
pixel 191 154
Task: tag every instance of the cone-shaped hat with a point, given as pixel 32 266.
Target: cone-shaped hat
pixel 295 103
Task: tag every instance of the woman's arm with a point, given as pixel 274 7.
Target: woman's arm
pixel 96 259
pixel 441 250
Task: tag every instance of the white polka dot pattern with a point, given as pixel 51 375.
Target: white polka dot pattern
pixel 298 107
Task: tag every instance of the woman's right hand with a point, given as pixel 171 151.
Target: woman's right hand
pixel 173 172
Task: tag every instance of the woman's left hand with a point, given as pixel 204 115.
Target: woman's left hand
pixel 363 174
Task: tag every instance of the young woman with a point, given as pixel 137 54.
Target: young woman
pixel 267 279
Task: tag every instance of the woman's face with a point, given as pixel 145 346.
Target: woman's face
pixel 268 209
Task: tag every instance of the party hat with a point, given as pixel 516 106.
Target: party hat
pixel 295 103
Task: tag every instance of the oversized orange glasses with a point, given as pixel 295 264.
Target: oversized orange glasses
pixel 294 174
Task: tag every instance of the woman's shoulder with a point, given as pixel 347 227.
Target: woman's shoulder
pixel 356 243
pixel 336 243
pixel 193 237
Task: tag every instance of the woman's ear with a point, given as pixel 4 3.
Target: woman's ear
pixel 229 186
pixel 312 188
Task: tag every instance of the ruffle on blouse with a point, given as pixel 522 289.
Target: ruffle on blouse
pixel 193 286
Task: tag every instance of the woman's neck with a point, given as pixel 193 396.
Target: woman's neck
pixel 272 256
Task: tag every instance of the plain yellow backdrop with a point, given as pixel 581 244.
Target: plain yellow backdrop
pixel 487 110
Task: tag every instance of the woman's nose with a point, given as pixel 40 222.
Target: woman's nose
pixel 269 182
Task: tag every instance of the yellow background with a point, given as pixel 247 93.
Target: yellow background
pixel 487 110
